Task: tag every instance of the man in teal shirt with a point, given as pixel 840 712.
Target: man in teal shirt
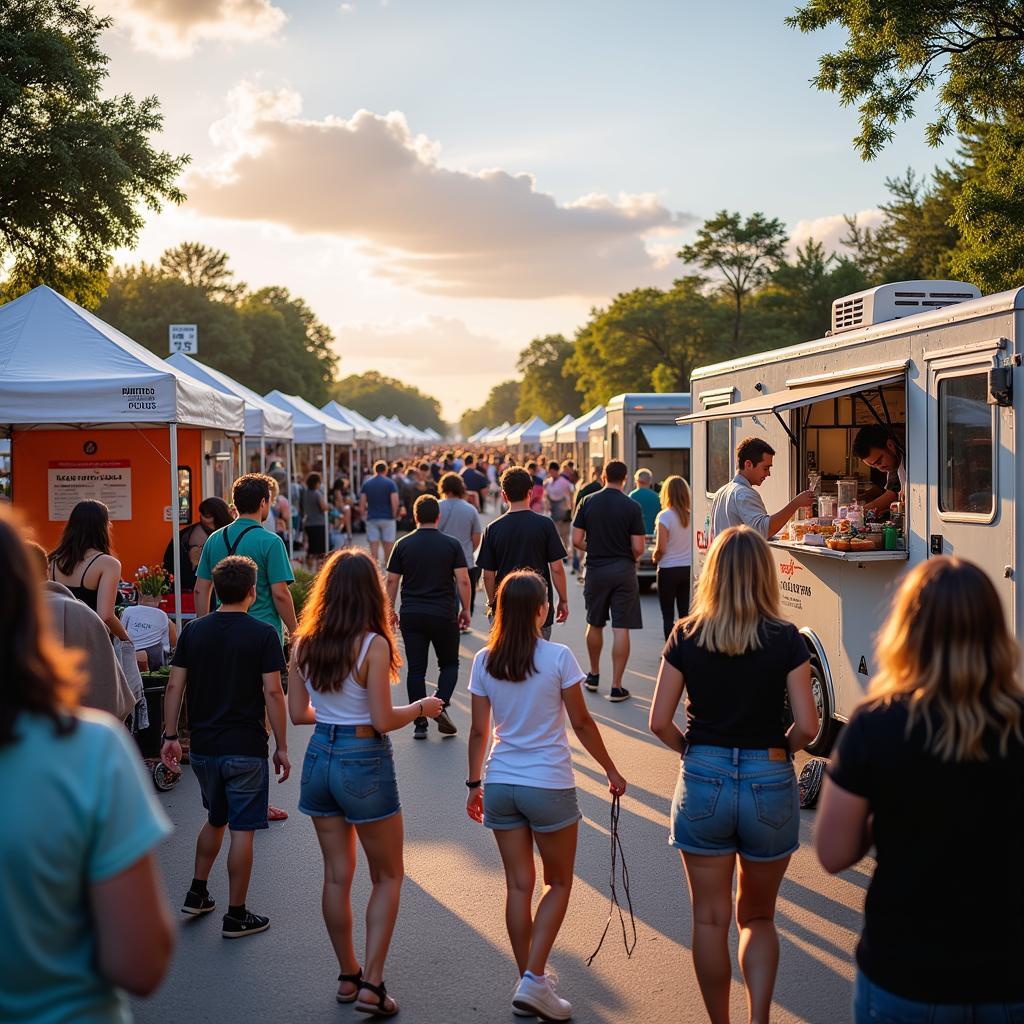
pixel 645 496
pixel 246 536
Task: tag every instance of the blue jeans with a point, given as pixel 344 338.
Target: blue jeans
pixel 734 800
pixel 348 776
pixel 874 1005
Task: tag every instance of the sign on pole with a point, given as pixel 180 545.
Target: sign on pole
pixel 184 338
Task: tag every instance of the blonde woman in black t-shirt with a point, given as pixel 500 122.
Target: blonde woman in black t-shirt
pixel 736 800
pixel 930 771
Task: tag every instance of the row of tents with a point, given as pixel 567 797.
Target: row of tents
pixel 536 435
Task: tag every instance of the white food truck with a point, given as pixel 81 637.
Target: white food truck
pixel 932 362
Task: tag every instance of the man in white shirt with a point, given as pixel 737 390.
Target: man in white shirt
pixel 738 504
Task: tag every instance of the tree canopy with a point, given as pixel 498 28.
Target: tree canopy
pixel 76 166
pixel 373 395
pixel 544 389
pixel 501 407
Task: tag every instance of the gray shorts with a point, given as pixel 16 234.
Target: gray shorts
pixel 381 529
pixel 543 810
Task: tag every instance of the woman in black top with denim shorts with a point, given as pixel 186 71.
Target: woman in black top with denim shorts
pixel 736 799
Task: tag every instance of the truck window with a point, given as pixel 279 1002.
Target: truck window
pixel 719 457
pixel 966 446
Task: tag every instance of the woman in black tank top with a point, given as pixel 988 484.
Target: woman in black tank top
pixel 86 539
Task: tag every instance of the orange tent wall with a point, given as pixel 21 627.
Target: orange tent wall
pixel 140 541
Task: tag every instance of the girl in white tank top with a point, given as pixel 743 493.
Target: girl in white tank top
pixel 348 706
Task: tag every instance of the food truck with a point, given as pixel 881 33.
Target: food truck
pixel 933 363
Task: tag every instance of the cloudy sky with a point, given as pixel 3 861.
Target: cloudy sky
pixel 443 180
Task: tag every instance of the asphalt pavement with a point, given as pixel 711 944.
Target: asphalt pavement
pixel 450 960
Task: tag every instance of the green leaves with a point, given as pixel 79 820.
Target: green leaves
pixel 545 389
pixel 75 167
pixel 373 395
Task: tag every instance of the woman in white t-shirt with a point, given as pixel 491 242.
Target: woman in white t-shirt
pixel 673 552
pixel 528 684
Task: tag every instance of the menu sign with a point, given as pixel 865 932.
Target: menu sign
pixel 68 483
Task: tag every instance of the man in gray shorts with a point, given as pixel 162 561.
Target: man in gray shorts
pixel 378 506
pixel 609 526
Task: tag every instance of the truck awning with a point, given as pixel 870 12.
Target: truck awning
pixel 797 397
pixel 657 437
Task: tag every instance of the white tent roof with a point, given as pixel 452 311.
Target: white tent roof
pixel 261 418
pixel 412 434
pixel 432 434
pixel 478 436
pixel 599 424
pixel 549 436
pixel 497 435
pixel 579 428
pixel 393 435
pixel 311 425
pixel 365 430
pixel 60 364
pixel 528 432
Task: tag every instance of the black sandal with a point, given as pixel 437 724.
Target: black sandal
pixel 352 979
pixel 378 1009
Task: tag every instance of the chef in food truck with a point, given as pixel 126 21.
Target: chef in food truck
pixel 877 449
pixel 738 504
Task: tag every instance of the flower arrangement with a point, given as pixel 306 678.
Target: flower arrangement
pixel 153 582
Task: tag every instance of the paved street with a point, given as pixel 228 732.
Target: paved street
pixel 450 959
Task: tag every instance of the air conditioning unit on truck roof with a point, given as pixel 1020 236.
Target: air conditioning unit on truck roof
pixel 892 301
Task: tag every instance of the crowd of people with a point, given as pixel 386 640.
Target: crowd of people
pixel 929 771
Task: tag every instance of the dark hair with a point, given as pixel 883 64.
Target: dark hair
pixel 87 527
pixel 380 466
pixel 467 459
pixel 233 578
pixel 424 467
pixel 615 472
pixel 752 450
pixel 38 676
pixel 452 483
pixel 248 491
pixel 516 483
pixel 554 465
pixel 514 635
pixel 346 602
pixel 217 509
pixel 426 509
pixel 874 435
pixel 38 555
pixel 312 481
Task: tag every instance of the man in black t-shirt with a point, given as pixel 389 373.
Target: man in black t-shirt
pixel 228 667
pixel 578 556
pixel 609 526
pixel 429 566
pixel 523 539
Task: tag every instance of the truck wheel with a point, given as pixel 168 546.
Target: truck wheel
pixel 828 727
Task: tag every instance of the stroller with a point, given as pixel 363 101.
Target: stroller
pixel 148 739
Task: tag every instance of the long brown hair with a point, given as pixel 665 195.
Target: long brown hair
pixel 514 635
pixel 675 494
pixel 946 649
pixel 737 591
pixel 88 527
pixel 37 676
pixel 347 601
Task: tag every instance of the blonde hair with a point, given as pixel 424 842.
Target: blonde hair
pixel 946 649
pixel 675 494
pixel 737 592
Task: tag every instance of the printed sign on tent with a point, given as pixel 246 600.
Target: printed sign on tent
pixel 184 338
pixel 68 483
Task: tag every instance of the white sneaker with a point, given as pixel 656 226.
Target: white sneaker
pixel 539 997
pixel 515 1009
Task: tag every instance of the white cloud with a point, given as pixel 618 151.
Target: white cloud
pixel 830 230
pixel 174 28
pixel 440 230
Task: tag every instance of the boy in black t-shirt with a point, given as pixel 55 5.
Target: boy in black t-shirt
pixel 228 666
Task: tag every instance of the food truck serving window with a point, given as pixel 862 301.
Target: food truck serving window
pixel 719 457
pixel 966 446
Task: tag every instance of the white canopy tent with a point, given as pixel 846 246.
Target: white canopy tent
pixel 578 430
pixel 367 433
pixel 478 435
pixel 314 427
pixel 549 436
pixel 499 435
pixel 63 366
pixel 395 437
pixel 432 435
pixel 528 433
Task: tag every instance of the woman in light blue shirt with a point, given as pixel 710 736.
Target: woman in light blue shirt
pixel 83 907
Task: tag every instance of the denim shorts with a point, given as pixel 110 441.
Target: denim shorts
pixel 731 800
pixel 543 810
pixel 875 1005
pixel 381 529
pixel 235 790
pixel 348 776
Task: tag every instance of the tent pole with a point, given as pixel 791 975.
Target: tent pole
pixel 172 429
pixel 323 466
pixel 288 494
pixel 263 455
